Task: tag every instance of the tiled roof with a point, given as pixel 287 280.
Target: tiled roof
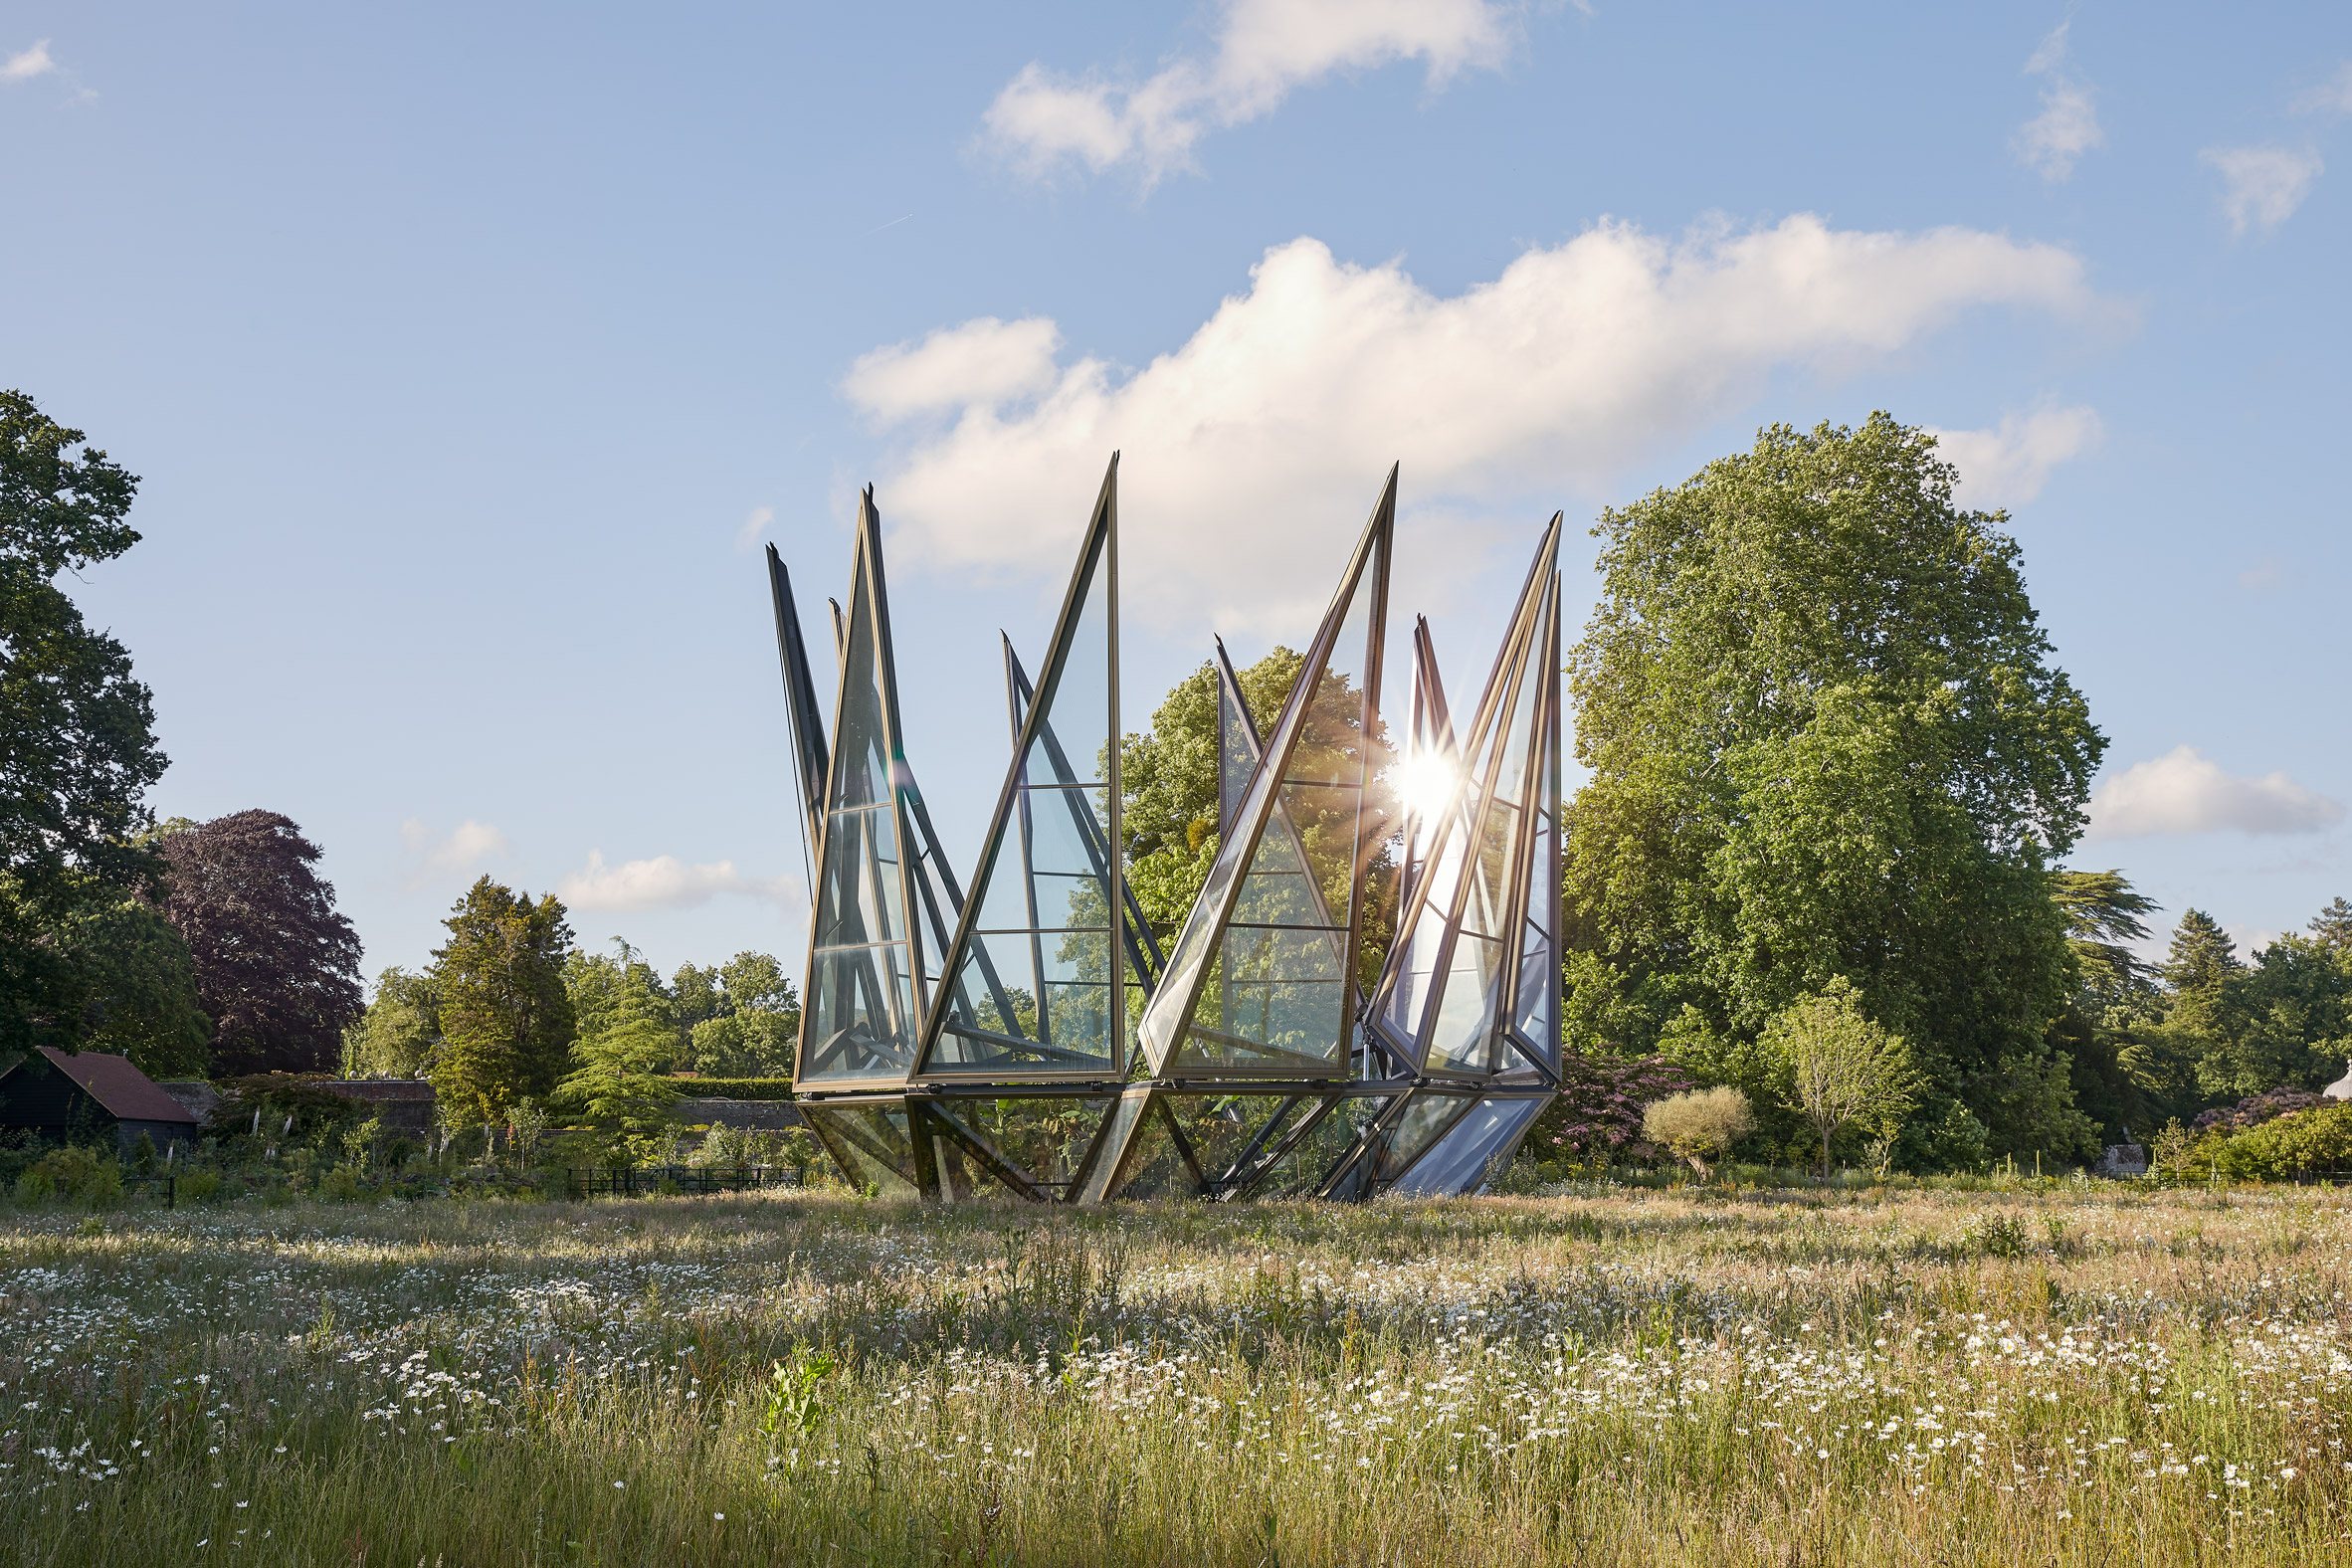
pixel 122 1089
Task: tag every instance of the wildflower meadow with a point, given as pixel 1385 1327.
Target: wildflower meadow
pixel 2057 1372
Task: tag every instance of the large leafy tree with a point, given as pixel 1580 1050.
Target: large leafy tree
pixel 76 732
pixel 2234 1028
pixel 2110 1029
pixel 401 1032
pixel 507 1019
pixel 1826 740
pixel 277 964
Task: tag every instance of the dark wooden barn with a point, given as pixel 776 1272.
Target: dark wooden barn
pixel 89 1097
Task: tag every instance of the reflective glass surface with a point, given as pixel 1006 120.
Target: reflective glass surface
pixel 1461 1161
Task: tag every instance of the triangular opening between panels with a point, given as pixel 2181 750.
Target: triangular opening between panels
pixel 861 1015
pixel 1445 997
pixel 1034 984
pixel 1261 980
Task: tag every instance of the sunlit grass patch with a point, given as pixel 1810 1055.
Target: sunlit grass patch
pixel 1611 1377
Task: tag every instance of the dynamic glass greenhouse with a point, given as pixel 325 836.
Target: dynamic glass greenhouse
pixel 1026 1033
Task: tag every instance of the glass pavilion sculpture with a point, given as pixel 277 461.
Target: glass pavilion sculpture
pixel 1030 1036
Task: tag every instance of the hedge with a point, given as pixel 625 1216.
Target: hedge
pixel 735 1089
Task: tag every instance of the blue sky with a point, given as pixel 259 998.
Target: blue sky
pixel 468 354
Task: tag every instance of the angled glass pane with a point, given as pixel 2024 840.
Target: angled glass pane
pixel 1156 1168
pixel 868 1143
pixel 862 898
pixel 1045 1139
pixel 1237 748
pixel 1032 986
pixel 861 732
pixel 1261 979
pixel 1468 1157
pixel 862 1015
pixel 1536 1012
pixel 1302 1170
pixel 1425 1119
pixel 1232 1135
pixel 1106 1171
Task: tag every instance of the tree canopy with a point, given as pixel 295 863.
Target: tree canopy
pixel 277 964
pixel 1828 741
pixel 507 1019
pixel 78 749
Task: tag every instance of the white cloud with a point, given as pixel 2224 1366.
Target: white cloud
pixel 470 846
pixel 28 63
pixel 982 362
pixel 1252 452
pixel 2068 124
pixel 1042 121
pixel 2185 791
pixel 2334 97
pixel 754 526
pixel 2007 466
pixel 2263 186
pixel 665 882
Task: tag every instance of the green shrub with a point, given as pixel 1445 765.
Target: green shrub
pixel 198 1186
pixel 2294 1144
pixel 339 1185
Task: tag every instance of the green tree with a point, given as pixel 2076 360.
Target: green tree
pixel 139 985
pixel 1826 740
pixel 620 1080
pixel 76 732
pixel 1169 809
pixel 400 1034
pixel 506 1020
pixel 2111 1027
pixel 1844 1069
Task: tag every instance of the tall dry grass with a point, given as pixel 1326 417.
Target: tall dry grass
pixel 2088 1376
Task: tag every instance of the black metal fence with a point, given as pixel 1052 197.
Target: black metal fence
pixel 167 1188
pixel 622 1181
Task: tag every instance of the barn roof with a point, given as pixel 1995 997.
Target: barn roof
pixel 122 1089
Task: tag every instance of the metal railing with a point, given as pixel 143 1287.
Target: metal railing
pixel 624 1181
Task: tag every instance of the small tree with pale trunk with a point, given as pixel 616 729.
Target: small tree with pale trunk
pixel 1848 1071
pixel 1699 1125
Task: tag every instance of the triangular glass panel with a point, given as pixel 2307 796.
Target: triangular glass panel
pixel 1536 1007
pixel 1262 979
pixel 808 753
pixel 1445 996
pixel 862 1013
pixel 1232 1136
pixel 1468 1157
pixel 1300 1169
pixel 1388 1150
pixel 1157 1164
pixel 869 1143
pixel 1034 982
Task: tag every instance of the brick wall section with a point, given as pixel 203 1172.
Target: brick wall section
pixel 402 1104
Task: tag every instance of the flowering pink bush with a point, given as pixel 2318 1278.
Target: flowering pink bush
pixel 1598 1115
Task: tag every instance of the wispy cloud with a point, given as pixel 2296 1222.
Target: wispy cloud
pixel 2008 465
pixel 468 847
pixel 665 882
pixel 1043 121
pixel 2263 186
pixel 1294 396
pixel 2068 124
pixel 2262 575
pixel 28 63
pixel 754 526
pixel 2184 791
pixel 2332 96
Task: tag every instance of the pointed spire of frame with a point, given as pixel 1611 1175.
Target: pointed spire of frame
pixel 1261 980
pixel 800 700
pixel 1480 930
pixel 1035 984
pixel 862 1007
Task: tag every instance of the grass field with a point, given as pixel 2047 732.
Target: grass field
pixel 2071 1375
